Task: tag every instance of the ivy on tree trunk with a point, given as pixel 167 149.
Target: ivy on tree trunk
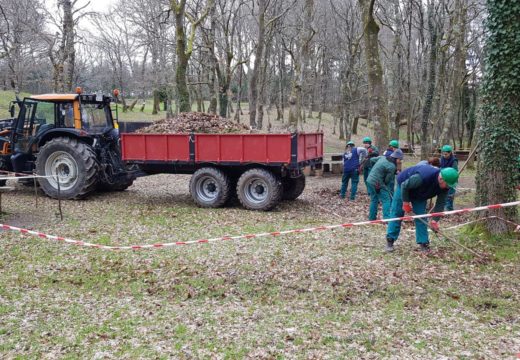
pixel 499 121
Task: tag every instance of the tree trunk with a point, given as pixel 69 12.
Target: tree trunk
pixel 355 125
pixel 253 83
pixel 183 50
pixel 156 102
pixel 499 128
pixel 428 101
pixel 300 66
pixel 376 88
pixel 342 125
pixel 69 35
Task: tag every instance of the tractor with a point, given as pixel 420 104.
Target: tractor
pixel 70 140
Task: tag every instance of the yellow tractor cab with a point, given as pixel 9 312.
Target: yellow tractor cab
pixel 70 139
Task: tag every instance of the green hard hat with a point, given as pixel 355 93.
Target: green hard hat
pixel 367 139
pixel 350 143
pixel 394 143
pixel 447 148
pixel 450 175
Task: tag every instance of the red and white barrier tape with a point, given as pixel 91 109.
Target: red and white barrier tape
pixel 477 220
pixel 250 236
pixel 20 177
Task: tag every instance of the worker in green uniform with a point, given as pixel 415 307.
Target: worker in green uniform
pixel 367 164
pixel 449 160
pixel 393 145
pixel 415 186
pixel 380 180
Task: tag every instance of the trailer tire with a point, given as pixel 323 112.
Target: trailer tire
pixel 293 187
pixel 259 189
pixel 209 187
pixel 73 162
pixel 233 197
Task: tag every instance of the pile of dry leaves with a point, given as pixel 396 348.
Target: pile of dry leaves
pixel 195 122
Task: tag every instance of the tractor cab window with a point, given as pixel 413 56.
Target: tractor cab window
pixel 66 112
pixel 38 116
pixel 94 117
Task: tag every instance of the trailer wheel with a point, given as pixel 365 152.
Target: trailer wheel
pixel 293 187
pixel 209 187
pixel 72 163
pixel 259 189
pixel 233 198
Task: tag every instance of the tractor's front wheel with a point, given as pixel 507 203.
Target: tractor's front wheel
pixel 70 168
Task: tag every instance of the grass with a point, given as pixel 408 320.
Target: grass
pixel 330 294
pixel 5 99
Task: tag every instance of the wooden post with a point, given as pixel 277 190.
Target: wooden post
pixel 470 156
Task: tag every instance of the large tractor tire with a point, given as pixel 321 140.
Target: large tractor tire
pixel 293 187
pixel 72 163
pixel 259 189
pixel 210 187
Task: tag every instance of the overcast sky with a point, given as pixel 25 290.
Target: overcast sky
pixel 99 5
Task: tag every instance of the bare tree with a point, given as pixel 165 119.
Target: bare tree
pixel 376 87
pixel 184 47
pixel 21 22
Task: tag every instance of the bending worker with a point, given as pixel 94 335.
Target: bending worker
pixel 449 160
pixel 380 182
pixel 415 186
pixel 352 158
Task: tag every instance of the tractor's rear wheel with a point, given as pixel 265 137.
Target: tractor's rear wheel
pixel 293 187
pixel 71 163
pixel 209 187
pixel 259 189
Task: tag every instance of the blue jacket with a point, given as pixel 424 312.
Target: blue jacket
pixel 450 162
pixel 350 160
pixel 420 182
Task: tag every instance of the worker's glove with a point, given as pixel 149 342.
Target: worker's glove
pixel 407 207
pixel 434 225
pixel 378 188
pixel 360 170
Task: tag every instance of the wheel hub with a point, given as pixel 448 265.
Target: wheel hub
pixel 207 189
pixel 61 168
pixel 257 191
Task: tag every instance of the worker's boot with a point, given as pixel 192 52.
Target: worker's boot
pixel 389 245
pixel 424 247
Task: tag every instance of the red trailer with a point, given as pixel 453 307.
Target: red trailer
pixel 260 169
